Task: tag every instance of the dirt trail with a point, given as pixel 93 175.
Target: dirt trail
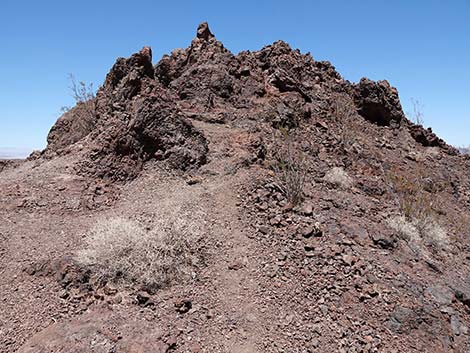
pixel 234 272
pixel 232 276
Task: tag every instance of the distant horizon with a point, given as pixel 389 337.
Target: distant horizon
pixel 15 152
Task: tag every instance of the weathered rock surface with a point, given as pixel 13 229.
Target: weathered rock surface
pixel 378 102
pixel 136 121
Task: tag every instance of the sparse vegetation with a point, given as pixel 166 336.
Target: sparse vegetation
pixel 342 107
pixel 344 110
pixel 85 100
pixel 121 249
pixel 290 169
pixel 417 112
pixel 338 177
pixel 415 197
pixel 411 195
pixel 414 231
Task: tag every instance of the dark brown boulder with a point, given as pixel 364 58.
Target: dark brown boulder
pixel 378 102
pixel 154 130
pixel 127 75
pixel 71 127
pixel 124 80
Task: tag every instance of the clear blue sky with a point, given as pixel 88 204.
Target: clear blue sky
pixel 421 46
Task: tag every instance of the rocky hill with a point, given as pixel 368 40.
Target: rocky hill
pixel 243 203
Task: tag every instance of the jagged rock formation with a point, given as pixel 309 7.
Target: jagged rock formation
pixel 378 102
pixel 141 109
pixel 135 120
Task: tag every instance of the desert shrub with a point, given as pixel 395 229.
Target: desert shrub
pixel 290 169
pixel 404 228
pixel 120 249
pixel 416 202
pixel 85 100
pixel 339 178
pixel 344 111
pixel 416 231
pixel 417 118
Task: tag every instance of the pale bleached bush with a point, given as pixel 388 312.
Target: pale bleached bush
pixel 338 177
pixel 123 250
pixel 415 231
pixel 405 229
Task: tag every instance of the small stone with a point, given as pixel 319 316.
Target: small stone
pixel 182 306
pixel 275 220
pixel 310 246
pixel 463 295
pixel 314 343
pixel 384 241
pixel 448 310
pixel 455 324
pixel 307 232
pixel 307 209
pixel 236 265
pixel 117 299
pixel 193 180
pixel 142 298
pixel 440 294
pixel 310 231
pixel 264 229
pixel 324 309
pixel 209 314
pixel 348 259
pixel 171 342
pixel 110 290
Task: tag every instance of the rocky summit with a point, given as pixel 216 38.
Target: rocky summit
pixel 245 203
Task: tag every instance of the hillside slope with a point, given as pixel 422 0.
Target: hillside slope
pixel 325 220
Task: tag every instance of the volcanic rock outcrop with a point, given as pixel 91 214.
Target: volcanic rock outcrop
pixel 134 120
pixel 141 110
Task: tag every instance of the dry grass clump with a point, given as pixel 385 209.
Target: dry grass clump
pixel 338 177
pixel 120 249
pixel 414 201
